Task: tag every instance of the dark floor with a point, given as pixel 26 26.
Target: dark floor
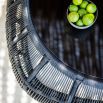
pixel 81 50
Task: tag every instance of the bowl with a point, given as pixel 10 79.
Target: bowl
pixel 83 27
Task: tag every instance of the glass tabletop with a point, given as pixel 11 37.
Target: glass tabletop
pixel 80 49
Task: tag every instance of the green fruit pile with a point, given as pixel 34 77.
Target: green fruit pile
pixel 81 13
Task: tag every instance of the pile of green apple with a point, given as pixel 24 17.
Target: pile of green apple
pixel 81 13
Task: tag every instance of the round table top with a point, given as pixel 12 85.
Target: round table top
pixel 80 49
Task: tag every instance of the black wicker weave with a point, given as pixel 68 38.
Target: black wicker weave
pixel 39 71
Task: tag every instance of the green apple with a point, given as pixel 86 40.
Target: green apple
pixel 73 8
pixel 77 2
pixel 91 8
pixel 73 17
pixel 79 23
pixel 84 4
pixel 88 19
pixel 82 12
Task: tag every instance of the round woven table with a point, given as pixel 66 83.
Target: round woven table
pixel 52 61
